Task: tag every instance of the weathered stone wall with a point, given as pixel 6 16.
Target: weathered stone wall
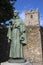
pixel 42 38
pixel 33 49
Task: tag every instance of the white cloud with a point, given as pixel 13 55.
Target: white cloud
pixel 41 22
pixel 22 15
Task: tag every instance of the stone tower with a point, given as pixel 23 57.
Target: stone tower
pixel 33 50
pixel 32 18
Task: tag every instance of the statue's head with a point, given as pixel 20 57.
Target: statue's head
pixel 15 13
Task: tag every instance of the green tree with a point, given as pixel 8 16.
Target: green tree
pixel 6 10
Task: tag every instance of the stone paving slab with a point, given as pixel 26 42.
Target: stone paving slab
pixel 40 63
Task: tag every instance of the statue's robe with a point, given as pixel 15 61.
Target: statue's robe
pixel 18 38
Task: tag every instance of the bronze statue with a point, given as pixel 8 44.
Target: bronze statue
pixel 17 36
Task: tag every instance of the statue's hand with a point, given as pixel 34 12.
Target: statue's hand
pixel 8 40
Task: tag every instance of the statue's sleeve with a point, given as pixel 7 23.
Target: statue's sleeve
pixel 9 34
pixel 23 38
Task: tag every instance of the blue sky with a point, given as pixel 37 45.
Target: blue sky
pixel 25 5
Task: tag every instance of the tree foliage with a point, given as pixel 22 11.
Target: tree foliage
pixel 6 10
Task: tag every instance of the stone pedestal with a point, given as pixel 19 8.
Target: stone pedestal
pixel 21 60
pixel 6 63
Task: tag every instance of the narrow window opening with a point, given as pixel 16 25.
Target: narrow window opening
pixel 31 16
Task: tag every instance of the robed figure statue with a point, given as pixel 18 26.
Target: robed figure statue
pixel 17 36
